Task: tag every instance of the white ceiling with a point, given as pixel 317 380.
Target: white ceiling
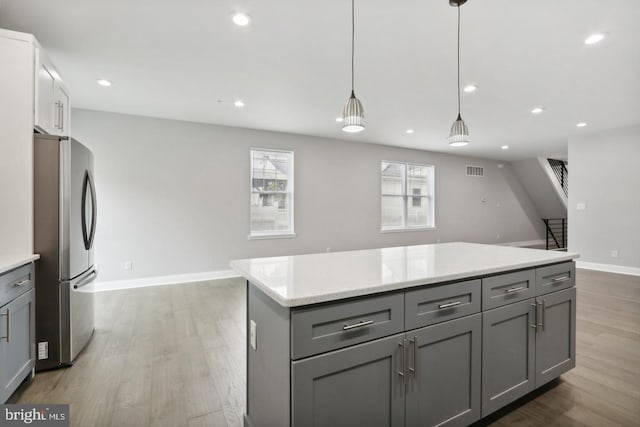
pixel 177 59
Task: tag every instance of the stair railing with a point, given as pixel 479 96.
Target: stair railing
pixel 559 168
pixel 556 233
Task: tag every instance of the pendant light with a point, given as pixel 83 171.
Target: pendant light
pixel 353 113
pixel 459 134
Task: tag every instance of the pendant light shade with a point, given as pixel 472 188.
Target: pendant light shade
pixel 459 134
pixel 353 113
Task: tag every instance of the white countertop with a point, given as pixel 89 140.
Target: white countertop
pixel 9 262
pixel 308 279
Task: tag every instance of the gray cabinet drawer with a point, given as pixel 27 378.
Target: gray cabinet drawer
pixel 508 288
pixel 440 303
pixel 555 277
pixel 328 327
pixel 15 282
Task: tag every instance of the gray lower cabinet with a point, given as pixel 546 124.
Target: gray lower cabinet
pixel 426 377
pixel 17 338
pixel 525 345
pixel 556 335
pixel 444 388
pixel 508 354
pixel 356 386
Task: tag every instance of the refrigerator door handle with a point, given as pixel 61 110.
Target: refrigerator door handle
pixel 87 234
pixel 87 279
pixel 94 209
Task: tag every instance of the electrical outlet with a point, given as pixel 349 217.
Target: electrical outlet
pixel 497 204
pixel 128 265
pixel 253 338
pixel 43 350
pixel 328 249
pixel 581 206
pixel 614 253
pixel 498 236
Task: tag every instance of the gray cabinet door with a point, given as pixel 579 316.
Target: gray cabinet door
pixel 508 354
pixel 556 336
pixel 444 386
pixel 17 343
pixel 356 386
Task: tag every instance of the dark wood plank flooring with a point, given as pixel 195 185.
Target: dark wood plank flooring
pixel 175 356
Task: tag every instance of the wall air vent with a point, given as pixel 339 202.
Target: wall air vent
pixel 475 171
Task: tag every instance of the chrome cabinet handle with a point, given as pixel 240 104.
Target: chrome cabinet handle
pixel 62 116
pixel 21 283
pixel 560 279
pixel 539 307
pixel 519 288
pixel 403 373
pixel 543 309
pixel 535 315
pixel 8 314
pixel 360 324
pixel 449 305
pixel 414 370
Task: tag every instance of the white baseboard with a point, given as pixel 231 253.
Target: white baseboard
pixel 609 268
pixel 160 281
pixel 524 243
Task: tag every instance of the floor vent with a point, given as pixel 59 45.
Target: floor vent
pixel 475 171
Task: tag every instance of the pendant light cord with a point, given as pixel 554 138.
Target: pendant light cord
pixel 353 34
pixel 458 60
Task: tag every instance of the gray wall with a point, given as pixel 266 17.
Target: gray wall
pixel 173 196
pixel 605 175
pixel 542 186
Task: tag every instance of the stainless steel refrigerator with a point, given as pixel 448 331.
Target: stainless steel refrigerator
pixel 64 230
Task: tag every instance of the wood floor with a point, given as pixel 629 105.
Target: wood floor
pixel 175 356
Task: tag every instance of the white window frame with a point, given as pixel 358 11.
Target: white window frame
pixel 405 196
pixel 273 234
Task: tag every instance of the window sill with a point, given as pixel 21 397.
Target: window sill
pixel 271 236
pixel 403 229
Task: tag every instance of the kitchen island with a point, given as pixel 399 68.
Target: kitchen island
pixel 422 335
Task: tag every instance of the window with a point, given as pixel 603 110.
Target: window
pixel 407 196
pixel 271 193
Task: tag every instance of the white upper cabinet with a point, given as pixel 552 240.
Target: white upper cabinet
pixel 52 106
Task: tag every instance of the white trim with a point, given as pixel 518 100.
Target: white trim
pixel 403 229
pixel 160 281
pixel 523 243
pixel 609 268
pixel 271 236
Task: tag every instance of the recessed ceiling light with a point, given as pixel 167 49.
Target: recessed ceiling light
pixel 239 103
pixel 241 19
pixel 409 131
pixel 505 147
pixel 470 88
pixel 537 110
pixel 103 82
pixel 594 38
pixel 581 124
pixel 339 119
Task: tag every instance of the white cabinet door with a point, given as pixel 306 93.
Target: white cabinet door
pixel 45 113
pixel 52 106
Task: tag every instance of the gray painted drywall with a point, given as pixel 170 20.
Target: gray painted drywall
pixel 542 187
pixel 173 196
pixel 605 177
